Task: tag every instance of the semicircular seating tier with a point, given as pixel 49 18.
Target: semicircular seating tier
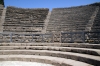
pixel 56 54
pixel 71 19
pixel 24 20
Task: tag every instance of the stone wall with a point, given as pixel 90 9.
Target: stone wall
pixel 24 20
pixel 70 19
pixel 1 9
pixel 1 12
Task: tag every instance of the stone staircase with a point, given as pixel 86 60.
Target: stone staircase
pixel 96 25
pixel 91 21
pixel 57 54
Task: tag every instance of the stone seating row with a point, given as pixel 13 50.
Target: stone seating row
pixel 22 30
pixel 74 9
pixel 66 28
pixel 26 9
pixel 43 59
pixel 20 17
pixel 23 22
pixel 58 54
pixel 32 28
pixel 62 16
pixel 6 24
pixel 64 49
pixel 77 45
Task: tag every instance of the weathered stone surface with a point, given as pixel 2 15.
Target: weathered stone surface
pixel 70 19
pixel 76 52
pixel 24 20
pixel 44 59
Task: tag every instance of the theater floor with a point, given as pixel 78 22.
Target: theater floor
pixel 20 63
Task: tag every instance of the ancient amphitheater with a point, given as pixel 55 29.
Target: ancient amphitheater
pixel 62 37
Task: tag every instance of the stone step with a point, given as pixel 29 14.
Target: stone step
pixel 13 27
pixel 65 28
pixel 80 45
pixel 23 24
pixel 95 52
pixel 21 31
pixel 94 60
pixel 43 59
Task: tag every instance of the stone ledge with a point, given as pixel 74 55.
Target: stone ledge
pixel 80 45
pixel 95 52
pixel 43 59
pixel 95 60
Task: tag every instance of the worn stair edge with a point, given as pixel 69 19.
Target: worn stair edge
pixel 43 59
pixel 80 45
pixel 95 52
pixel 94 60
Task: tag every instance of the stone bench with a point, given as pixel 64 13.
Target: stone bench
pixel 94 60
pixel 70 17
pixel 81 52
pixel 95 52
pixel 43 59
pixel 78 45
